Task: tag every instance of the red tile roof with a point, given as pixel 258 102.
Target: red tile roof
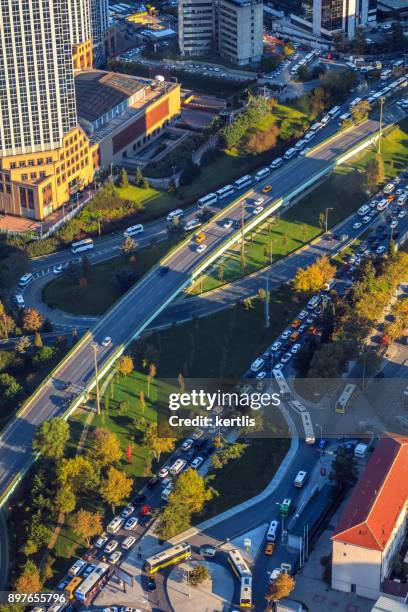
pixel 378 498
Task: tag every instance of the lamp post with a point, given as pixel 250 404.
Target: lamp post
pixel 382 100
pixel 98 405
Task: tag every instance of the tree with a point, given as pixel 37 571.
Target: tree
pixel 322 220
pixel 262 141
pixel 138 177
pixel 231 451
pixel 123 179
pixel 29 579
pixel 45 353
pixel 157 445
pixel 313 278
pixel 22 345
pixel 105 447
pixel 361 111
pixel 87 524
pixel 65 500
pixel 80 473
pixel 180 380
pixel 190 491
pixel 198 575
pixel 115 488
pixel 142 401
pixel 51 438
pixel 343 471
pixel 128 245
pixel 38 340
pixel 124 365
pixel 151 375
pixel 32 320
pixel 375 173
pixel 280 588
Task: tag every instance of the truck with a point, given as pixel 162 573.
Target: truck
pixel 300 479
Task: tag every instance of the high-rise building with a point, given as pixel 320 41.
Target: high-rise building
pixel 45 156
pixel 196 27
pixel 231 28
pixel 100 24
pixel 240 30
pixel 324 17
pixel 81 33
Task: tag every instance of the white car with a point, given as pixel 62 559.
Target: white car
pixel 127 511
pixel 101 541
pixel 131 524
pixel 57 269
pixel 381 249
pixel 366 219
pixel 295 348
pixel 187 444
pixel 259 201
pixel 227 224
pixel 200 248
pixel 396 180
pixel 287 357
pixel 399 192
pixel 302 315
pixel 257 210
pixel 402 214
pixel 113 544
pixel 107 341
pixel 389 188
pixel 261 375
pixel 195 464
pixel 278 367
pixel 286 334
pixel 114 557
pixel 128 542
pixel 276 346
pixel 394 223
pixel 357 225
pixel 164 472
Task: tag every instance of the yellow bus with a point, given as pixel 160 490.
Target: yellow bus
pixel 345 398
pixel 244 574
pixel 174 554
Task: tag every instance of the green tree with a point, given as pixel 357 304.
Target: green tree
pixel 104 448
pixel 79 472
pixel 138 177
pixel 198 575
pixel 115 488
pixel 123 179
pixel 65 500
pixel 229 452
pixel 343 470
pixel 361 111
pixel 29 579
pixel 155 444
pixel 375 173
pixel 51 438
pixel 322 220
pixel 190 491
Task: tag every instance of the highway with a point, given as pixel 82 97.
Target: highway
pixel 145 300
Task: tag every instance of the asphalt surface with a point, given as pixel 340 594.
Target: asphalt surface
pixel 149 296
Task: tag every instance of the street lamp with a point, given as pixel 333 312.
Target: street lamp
pixel 382 100
pixel 98 405
pixel 327 213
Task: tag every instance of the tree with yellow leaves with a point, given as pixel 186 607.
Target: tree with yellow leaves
pixel 313 278
pixel 115 488
pixel 124 365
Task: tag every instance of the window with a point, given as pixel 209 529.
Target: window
pixel 24 177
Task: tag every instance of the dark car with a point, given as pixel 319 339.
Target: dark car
pixel 153 482
pixel 139 498
pixel 151 584
pixel 381 227
pixel 163 270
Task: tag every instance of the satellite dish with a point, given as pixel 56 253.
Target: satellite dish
pixel 159 78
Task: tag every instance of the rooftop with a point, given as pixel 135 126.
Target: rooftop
pixel 395 5
pixel 378 498
pixel 97 92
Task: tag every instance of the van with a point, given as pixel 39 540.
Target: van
pixel 115 525
pixel 363 210
pixel 174 214
pixel 300 479
pixel 276 163
pixel 178 466
pixel 272 531
pixel 192 225
pixel 261 174
pixel 133 230
pixel 77 568
pixel 19 300
pixel 25 279
pixel 257 365
pixel 290 153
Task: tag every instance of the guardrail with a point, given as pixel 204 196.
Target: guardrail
pixel 275 204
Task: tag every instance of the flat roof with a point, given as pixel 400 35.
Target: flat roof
pixel 313 511
pixel 395 5
pixel 97 92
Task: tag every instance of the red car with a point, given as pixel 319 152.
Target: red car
pixel 145 510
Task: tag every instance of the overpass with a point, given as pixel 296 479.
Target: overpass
pixel 149 297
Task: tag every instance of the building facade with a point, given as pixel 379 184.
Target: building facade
pixel 233 29
pixel 196 27
pixel 240 30
pixel 325 17
pixel 99 25
pixel 373 525
pixel 44 155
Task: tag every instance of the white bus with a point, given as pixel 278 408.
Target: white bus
pixel 297 406
pixel 290 153
pixel 174 214
pixel 92 583
pixel 333 112
pixel 261 174
pixel 385 74
pixel 25 280
pixel 276 163
pixel 242 182
pixel 244 575
pixel 82 245
pixel 207 200
pixel 133 230
pixel 345 398
pixel 308 428
pixel 281 382
pixel 224 192
pixel 363 210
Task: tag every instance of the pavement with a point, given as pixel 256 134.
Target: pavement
pixel 214 595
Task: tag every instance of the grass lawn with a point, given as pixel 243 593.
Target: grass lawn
pixel 102 289
pixel 343 191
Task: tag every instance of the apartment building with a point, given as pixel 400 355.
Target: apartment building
pixel 373 525
pixel 325 17
pixel 196 27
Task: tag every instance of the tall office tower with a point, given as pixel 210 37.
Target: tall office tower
pixel 37 94
pixel 196 27
pixel 100 25
pixel 44 155
pixel 240 30
pixel 323 17
pixel 81 33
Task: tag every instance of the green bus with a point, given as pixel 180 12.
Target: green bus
pixel 286 507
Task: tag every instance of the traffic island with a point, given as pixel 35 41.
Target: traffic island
pixel 215 593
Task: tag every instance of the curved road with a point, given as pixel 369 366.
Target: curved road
pixel 145 300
